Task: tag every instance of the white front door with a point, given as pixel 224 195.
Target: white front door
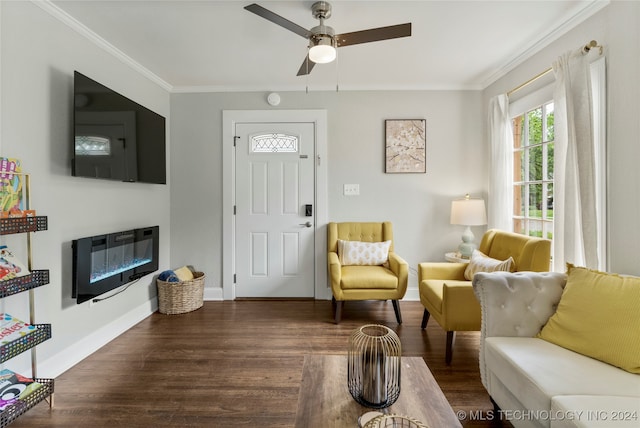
pixel 275 212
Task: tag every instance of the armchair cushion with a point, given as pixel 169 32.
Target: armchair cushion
pixel 480 262
pixel 592 300
pixel 368 277
pixel 361 253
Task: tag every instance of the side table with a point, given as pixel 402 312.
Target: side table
pixel 454 257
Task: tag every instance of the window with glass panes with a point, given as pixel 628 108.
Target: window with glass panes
pixel 533 138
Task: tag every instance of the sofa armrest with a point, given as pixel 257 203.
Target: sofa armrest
pixel 515 304
pixel 441 270
pixel 518 303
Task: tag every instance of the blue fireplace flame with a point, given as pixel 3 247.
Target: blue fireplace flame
pixel 106 272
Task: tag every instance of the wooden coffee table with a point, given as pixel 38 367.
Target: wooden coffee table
pixel 325 401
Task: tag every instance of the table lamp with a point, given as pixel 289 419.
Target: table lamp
pixel 468 212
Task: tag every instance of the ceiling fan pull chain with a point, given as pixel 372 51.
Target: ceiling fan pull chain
pixel 307 75
pixel 337 73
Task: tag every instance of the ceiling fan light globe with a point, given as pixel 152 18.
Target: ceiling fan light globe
pixel 322 54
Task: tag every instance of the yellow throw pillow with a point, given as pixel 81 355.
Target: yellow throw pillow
pixel 363 253
pixel 480 262
pixel 598 316
pixel 184 273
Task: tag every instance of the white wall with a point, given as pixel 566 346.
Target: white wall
pixel 617 28
pixel 417 204
pixel 39 55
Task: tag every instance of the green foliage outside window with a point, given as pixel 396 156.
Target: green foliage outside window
pixel 534 149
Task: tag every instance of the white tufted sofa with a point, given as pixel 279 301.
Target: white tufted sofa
pixel 536 383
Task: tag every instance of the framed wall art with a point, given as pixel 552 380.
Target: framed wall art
pixel 405 145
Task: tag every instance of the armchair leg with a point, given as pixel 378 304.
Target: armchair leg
pixel 337 309
pixel 451 338
pixel 425 319
pixel 396 309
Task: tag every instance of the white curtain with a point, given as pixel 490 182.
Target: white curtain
pixel 575 222
pixel 500 203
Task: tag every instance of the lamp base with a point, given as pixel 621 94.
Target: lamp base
pixel 467 246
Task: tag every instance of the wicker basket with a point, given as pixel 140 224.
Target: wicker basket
pixel 180 297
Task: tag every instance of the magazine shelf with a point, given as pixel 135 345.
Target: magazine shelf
pixel 12 411
pixel 23 224
pixel 34 279
pixel 16 347
pixel 24 283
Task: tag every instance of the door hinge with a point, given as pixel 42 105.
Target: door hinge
pixel 235 138
pixel 234 210
pixel 234 278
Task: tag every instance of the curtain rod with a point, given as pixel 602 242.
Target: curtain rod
pixel 585 50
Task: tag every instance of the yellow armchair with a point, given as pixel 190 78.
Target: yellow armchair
pixel 356 282
pixel 448 296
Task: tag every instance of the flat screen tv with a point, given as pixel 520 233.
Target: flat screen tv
pixel 102 263
pixel 115 138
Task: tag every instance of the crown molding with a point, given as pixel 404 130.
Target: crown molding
pixel 561 29
pixel 83 30
pixel 321 88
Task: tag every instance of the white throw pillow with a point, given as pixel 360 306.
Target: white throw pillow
pixel 480 262
pixel 363 253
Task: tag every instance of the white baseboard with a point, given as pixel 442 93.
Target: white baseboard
pixel 412 294
pixel 213 293
pixel 56 365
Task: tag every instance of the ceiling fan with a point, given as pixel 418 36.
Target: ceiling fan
pixel 322 39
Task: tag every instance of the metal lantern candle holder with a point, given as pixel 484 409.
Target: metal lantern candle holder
pixel 373 372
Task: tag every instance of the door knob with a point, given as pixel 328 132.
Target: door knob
pixel 307 224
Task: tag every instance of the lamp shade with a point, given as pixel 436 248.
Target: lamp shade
pixel 468 212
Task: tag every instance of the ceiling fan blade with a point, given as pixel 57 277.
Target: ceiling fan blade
pixel 277 19
pixel 306 67
pixel 374 34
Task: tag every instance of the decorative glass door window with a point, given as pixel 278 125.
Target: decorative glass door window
pixel 92 145
pixel 274 143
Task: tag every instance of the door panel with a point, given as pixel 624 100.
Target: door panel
pixel 275 180
pixel 259 190
pixel 259 254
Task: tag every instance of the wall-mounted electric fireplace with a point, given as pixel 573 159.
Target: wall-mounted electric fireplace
pixel 104 262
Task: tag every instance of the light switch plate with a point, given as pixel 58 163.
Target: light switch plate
pixel 351 189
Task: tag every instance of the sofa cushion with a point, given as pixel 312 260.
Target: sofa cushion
pixel 535 370
pixel 367 277
pixel 598 316
pixel 586 411
pixel 480 262
pixel 361 253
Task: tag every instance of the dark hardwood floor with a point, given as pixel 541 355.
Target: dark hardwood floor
pixel 239 364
